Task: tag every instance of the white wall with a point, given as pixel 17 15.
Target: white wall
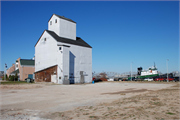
pixel 45 52
pixel 59 55
pixel 16 66
pixel 82 60
pixel 54 26
pixel 67 29
pixel 63 28
pixel 65 61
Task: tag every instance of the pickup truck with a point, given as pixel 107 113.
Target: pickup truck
pixel 170 79
pixel 159 79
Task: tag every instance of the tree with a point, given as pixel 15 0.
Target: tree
pixel 16 77
pixel 103 75
pixel 12 78
pixel 9 77
pixel 6 77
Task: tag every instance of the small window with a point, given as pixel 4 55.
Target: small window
pixel 59 48
pixel 50 22
pixel 44 39
pixel 55 20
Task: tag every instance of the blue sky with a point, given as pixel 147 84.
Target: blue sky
pixel 120 32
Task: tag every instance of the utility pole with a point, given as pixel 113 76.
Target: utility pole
pixel 5 66
pixel 167 69
pixel 131 70
pixel 4 71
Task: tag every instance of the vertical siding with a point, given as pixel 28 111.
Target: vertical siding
pixel 45 75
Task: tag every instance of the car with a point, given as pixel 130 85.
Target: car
pixel 176 79
pixel 138 79
pixel 148 79
pixel 110 79
pixel 170 79
pixel 31 80
pixel 159 79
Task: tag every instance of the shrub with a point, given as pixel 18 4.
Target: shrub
pixel 12 78
pixel 6 77
pixel 16 77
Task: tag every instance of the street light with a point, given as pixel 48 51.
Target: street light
pixel 131 71
pixel 167 69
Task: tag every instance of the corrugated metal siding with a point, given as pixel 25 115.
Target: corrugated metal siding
pixel 45 75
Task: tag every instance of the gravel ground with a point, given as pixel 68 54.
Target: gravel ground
pixel 87 101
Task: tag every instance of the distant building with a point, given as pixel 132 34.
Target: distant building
pixel 10 70
pixel 23 67
pixel 60 55
pixel 1 74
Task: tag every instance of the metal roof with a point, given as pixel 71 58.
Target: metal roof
pixel 62 17
pixel 27 62
pixel 16 71
pixel 78 40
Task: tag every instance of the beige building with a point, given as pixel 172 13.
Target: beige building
pixel 10 70
pixel 23 67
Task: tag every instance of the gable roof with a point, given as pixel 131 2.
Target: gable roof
pixel 62 17
pixel 27 62
pixel 78 40
pixel 45 69
pixel 14 72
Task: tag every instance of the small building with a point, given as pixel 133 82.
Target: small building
pixel 24 68
pixel 1 74
pixel 60 55
pixel 10 70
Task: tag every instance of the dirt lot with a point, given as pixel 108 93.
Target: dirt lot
pixel 107 100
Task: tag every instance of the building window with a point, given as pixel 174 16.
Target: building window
pixel 55 20
pixel 44 39
pixel 50 22
pixel 59 48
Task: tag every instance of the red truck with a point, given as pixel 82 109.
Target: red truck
pixel 159 79
pixel 164 79
pixel 170 79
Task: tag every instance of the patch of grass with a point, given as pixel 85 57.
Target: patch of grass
pixel 170 113
pixel 90 107
pixel 16 82
pixel 60 114
pixel 86 114
pixel 93 117
pixel 109 108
